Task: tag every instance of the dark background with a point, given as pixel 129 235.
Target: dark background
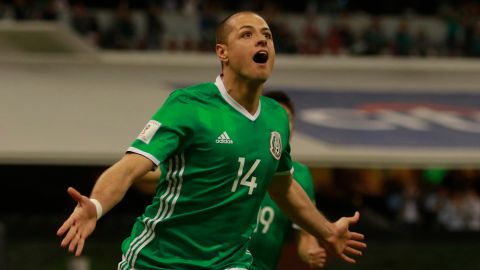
pixel 34 203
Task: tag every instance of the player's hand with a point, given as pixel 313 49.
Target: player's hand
pixel 315 256
pixel 346 243
pixel 80 224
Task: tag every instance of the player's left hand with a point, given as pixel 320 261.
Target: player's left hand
pixel 346 243
pixel 315 256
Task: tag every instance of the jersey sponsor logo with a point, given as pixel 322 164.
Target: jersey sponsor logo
pixel 276 145
pixel 149 131
pixel 224 139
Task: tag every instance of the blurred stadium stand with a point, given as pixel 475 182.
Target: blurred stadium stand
pixel 312 27
pixel 69 109
pixel 40 38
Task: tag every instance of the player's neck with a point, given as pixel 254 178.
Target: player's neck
pixel 246 93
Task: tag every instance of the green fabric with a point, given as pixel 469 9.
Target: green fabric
pixel 267 241
pixel 434 175
pixel 216 166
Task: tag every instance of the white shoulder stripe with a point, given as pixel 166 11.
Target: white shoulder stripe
pixel 290 172
pixel 145 154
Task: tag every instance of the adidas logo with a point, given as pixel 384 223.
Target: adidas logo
pixel 224 138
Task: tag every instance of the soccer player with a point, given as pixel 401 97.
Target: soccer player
pixel 218 146
pixel 273 226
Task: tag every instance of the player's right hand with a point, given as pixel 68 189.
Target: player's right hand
pixel 80 224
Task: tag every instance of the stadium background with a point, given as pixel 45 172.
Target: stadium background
pixel 388 120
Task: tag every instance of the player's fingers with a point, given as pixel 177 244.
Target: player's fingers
pixel 353 251
pixel 68 238
pixel 323 253
pixel 80 244
pixel 73 243
pixel 318 260
pixel 319 254
pixel 77 196
pixel 320 265
pixel 347 259
pixel 356 236
pixel 356 244
pixel 65 226
pixel 354 218
pixel 317 265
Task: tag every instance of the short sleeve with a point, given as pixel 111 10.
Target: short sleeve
pixel 285 162
pixel 168 131
pixel 303 176
pixel 285 165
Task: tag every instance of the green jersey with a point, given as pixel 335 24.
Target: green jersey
pixel 272 225
pixel 217 161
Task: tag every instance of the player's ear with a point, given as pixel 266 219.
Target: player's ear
pixel 222 52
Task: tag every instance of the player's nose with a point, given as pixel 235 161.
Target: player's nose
pixel 262 41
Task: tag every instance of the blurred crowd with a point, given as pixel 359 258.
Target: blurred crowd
pixel 433 199
pixel 458 25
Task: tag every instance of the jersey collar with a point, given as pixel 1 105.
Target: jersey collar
pixel 233 102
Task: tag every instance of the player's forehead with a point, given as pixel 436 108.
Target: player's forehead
pixel 247 20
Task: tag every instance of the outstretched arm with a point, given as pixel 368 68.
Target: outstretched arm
pixel 109 190
pixel 336 237
pixel 148 182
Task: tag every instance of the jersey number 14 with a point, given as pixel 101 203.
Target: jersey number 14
pixel 244 179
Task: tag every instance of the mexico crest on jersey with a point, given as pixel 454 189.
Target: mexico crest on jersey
pixel 276 145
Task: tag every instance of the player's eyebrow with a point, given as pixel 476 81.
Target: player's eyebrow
pixel 251 27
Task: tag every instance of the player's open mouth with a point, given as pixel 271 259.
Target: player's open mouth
pixel 260 57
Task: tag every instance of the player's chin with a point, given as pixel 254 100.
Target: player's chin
pixel 261 75
pixel 259 79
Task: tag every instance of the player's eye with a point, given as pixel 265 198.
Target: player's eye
pixel 268 35
pixel 246 35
